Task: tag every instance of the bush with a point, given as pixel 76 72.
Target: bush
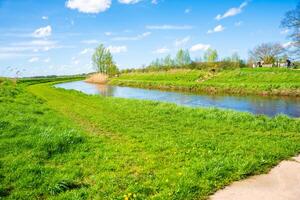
pixel 297 65
pixel 218 65
pixel 194 65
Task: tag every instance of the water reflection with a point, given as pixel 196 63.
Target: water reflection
pixel 270 106
pixel 105 90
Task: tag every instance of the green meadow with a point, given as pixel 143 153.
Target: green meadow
pixel 59 144
pixel 223 91
pixel 260 81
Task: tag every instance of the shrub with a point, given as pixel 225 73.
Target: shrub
pixel 194 65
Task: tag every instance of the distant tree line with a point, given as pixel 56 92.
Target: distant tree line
pixel 182 60
pixel 271 54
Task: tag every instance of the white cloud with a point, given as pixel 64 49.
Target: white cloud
pixel 182 42
pixel 162 50
pixel 288 44
pixel 169 27
pixel 43 32
pixel 76 62
pixel 45 17
pixel 133 38
pixel 129 1
pixel 146 34
pixel 232 11
pixel 187 10
pixel 30 46
pixel 34 59
pixel 40 45
pixel 36 43
pixel 108 33
pixel 285 31
pixel 31 49
pixel 217 29
pixel 200 47
pixel 90 41
pixel 15 49
pixel 89 6
pixel 117 49
pixel 4 55
pixel 47 60
pixel 86 51
pixel 154 1
pixel 239 23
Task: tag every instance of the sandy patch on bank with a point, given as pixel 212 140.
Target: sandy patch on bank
pixel 281 183
pixel 97 78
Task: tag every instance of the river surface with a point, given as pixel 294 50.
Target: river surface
pixel 270 106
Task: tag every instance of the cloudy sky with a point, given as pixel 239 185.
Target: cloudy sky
pixel 43 37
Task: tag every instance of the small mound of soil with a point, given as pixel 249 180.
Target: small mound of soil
pixel 97 78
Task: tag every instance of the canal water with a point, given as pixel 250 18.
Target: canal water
pixel 270 106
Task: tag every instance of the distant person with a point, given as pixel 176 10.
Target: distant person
pixel 288 63
pixel 259 64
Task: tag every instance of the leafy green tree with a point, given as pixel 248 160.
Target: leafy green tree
pixel 103 61
pixel 168 61
pixel 183 58
pixel 283 58
pixel 179 57
pixel 113 70
pixel 210 55
pixel 99 58
pixel 198 59
pixel 155 63
pixel 235 57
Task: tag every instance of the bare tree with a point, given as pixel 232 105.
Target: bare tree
pixel 292 23
pixel 268 53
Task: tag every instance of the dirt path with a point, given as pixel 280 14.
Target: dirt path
pixel 281 183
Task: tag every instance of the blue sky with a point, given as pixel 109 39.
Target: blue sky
pixel 58 36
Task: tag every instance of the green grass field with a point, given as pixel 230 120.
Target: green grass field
pixel 263 81
pixel 32 81
pixel 58 144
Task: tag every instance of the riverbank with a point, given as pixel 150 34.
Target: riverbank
pixel 265 82
pixel 64 144
pixel 270 106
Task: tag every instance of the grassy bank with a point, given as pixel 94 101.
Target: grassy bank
pixel 273 81
pixel 32 81
pixel 93 147
pixel 39 149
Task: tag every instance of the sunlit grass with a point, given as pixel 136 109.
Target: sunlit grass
pixel 68 145
pixel 272 81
